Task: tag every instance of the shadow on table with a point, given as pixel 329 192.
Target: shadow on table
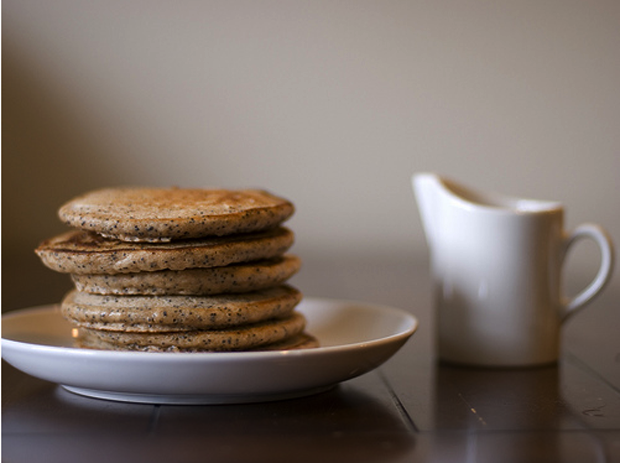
pixel 343 424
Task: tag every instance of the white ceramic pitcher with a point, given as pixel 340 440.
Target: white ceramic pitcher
pixel 496 266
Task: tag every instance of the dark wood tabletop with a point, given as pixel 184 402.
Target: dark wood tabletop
pixel 410 409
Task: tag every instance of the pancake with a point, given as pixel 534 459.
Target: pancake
pixel 240 338
pixel 234 278
pixel 83 253
pixel 165 214
pixel 303 340
pixel 159 314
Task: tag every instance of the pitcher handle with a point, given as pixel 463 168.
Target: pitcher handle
pixel 604 242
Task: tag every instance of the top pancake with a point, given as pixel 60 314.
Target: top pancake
pixel 166 214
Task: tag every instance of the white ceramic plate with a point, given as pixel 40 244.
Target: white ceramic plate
pixel 355 338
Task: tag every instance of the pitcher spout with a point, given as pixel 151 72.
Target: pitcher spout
pixel 427 188
pixel 437 195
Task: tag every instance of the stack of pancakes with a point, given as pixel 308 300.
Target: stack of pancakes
pixel 174 269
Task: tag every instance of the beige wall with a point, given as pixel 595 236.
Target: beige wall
pixel 333 104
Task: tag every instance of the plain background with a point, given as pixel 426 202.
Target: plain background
pixel 332 104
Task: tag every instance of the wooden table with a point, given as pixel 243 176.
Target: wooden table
pixel 410 409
